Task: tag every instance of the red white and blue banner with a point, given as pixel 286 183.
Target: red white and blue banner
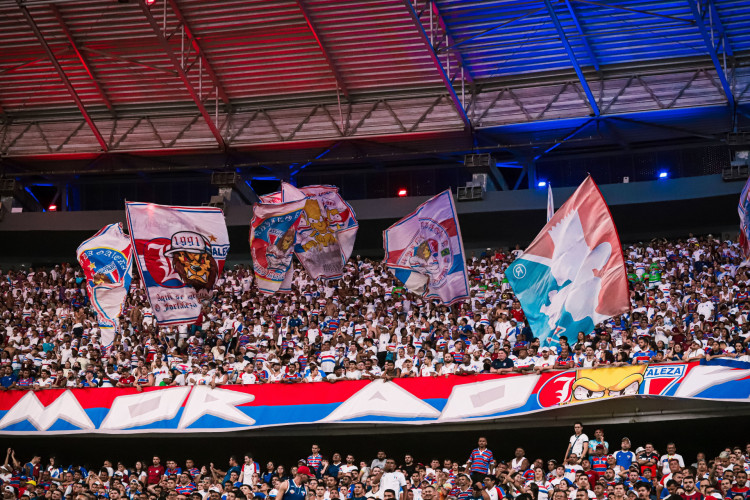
pixel 744 210
pixel 273 234
pixel 326 233
pixel 425 252
pixel 573 274
pixel 107 262
pixel 416 401
pixel 180 254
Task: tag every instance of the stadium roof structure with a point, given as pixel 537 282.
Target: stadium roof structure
pixel 289 83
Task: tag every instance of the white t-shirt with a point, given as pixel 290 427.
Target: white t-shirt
pixel 577 442
pixel 392 481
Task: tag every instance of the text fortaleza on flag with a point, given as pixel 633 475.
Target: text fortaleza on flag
pixel 180 254
pixel 744 210
pixel 326 233
pixel 273 234
pixel 107 262
pixel 573 274
pixel 425 252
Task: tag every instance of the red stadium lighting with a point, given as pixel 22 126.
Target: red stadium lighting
pixel 150 2
pixel 402 192
pixel 52 208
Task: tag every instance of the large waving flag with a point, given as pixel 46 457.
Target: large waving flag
pixel 425 252
pixel 107 262
pixel 573 274
pixel 180 255
pixel 744 211
pixel 273 234
pixel 326 233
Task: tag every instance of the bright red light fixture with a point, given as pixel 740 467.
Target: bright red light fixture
pixel 52 208
pixel 402 192
pixel 150 2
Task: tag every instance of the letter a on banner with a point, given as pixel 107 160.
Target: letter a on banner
pixel 425 251
pixel 573 275
pixel 107 262
pixel 180 255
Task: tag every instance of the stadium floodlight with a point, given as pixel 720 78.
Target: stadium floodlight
pixel 52 208
pixel 663 174
pixel 402 192
pixel 541 184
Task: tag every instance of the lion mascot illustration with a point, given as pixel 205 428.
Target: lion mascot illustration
pixel 192 260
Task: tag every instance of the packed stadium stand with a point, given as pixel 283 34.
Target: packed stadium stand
pixel 297 249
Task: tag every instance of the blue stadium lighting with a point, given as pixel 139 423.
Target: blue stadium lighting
pixel 541 184
pixel 663 174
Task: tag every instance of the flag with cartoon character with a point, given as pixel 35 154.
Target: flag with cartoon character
pixel 180 254
pixel 273 234
pixel 425 252
pixel 573 274
pixel 107 262
pixel 326 233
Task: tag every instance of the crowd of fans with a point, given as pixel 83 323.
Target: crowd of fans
pixel 689 301
pixel 590 469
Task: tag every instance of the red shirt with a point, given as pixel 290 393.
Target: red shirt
pixel 155 473
pixel 127 379
pixel 696 495
pixel 593 477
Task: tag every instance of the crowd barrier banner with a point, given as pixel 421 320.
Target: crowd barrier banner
pixel 443 399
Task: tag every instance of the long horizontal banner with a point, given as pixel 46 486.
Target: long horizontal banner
pixel 442 399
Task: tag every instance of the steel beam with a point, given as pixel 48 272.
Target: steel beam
pixel 181 73
pixel 451 42
pixel 637 11
pixel 716 20
pixel 62 75
pixel 584 39
pixel 565 139
pixel 701 25
pixel 438 65
pixel 572 56
pixel 323 48
pixel 199 50
pixel 81 57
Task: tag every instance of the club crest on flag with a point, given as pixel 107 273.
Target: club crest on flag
pixel 431 253
pixel 425 252
pixel 106 259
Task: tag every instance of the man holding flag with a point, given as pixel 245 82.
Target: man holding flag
pixel 573 274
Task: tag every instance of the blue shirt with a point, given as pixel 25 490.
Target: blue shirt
pixel 625 458
pixel 7 381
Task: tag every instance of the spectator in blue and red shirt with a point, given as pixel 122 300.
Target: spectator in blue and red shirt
pixel 480 460
pixel 314 460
